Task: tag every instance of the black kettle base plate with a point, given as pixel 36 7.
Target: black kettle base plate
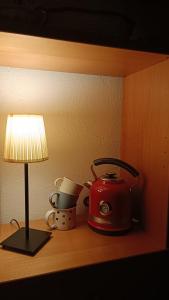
pixel 111 233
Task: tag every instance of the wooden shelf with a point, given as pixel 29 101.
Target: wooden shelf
pixel 71 249
pixel 23 51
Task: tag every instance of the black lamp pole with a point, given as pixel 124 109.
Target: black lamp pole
pixel 26 240
pixel 26 200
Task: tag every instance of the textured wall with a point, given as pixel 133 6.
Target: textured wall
pixel 82 115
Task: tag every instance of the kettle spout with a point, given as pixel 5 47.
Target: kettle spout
pixel 88 184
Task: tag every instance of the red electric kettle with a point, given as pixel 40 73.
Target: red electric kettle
pixel 110 199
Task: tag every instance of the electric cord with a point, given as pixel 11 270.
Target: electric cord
pixel 15 221
pixel 11 222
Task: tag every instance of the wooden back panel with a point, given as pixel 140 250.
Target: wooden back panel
pixel 145 141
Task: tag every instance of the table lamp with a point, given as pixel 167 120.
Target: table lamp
pixel 25 143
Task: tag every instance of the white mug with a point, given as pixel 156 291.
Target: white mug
pixel 66 185
pixel 61 219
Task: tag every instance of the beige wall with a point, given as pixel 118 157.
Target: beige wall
pixel 82 115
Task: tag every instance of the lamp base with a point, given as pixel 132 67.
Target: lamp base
pixel 19 243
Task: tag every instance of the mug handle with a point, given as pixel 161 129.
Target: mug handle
pixel 56 182
pixel 47 216
pixel 50 199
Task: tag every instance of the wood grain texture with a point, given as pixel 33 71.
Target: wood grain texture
pixel 145 141
pixel 70 249
pixel 49 54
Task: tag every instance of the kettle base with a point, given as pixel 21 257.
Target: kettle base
pixel 110 232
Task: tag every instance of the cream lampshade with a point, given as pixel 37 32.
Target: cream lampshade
pixel 25 139
pixel 25 143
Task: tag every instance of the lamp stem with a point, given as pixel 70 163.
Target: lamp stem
pixel 26 200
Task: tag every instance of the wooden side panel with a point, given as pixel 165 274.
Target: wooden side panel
pixel 145 141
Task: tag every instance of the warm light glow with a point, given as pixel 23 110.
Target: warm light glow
pixel 25 139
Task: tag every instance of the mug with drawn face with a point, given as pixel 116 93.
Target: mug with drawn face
pixel 66 185
pixel 62 200
pixel 61 219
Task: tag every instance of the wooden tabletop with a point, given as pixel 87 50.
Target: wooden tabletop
pixel 66 250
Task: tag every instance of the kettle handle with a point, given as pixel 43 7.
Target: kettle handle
pixel 114 161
